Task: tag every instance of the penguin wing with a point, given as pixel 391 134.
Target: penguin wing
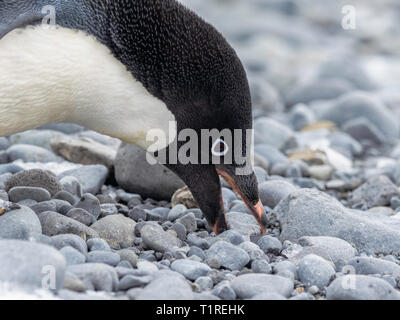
pixel 18 14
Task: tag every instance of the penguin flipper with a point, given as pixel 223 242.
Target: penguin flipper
pixel 18 14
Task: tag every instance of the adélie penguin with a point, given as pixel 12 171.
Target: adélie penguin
pixel 124 68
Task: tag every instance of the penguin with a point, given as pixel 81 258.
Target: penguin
pixel 123 67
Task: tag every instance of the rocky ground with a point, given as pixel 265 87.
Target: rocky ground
pixel 77 214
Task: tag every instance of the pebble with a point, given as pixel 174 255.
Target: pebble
pixel 128 255
pixel 106 257
pixel 34 178
pixel 315 271
pixel 27 263
pixel 90 177
pixel 129 282
pixel 248 285
pixel 71 240
pixel 232 236
pixel 19 224
pixel 270 244
pixel 189 221
pixel 190 269
pixel 369 266
pixel 89 203
pixel 54 223
pixel 17 194
pixel 261 266
pixel 117 230
pixel 31 153
pixel 98 244
pixel 361 287
pixel 224 291
pixel 72 256
pixel 82 216
pixel 96 276
pixel 157 239
pixel 309 212
pixel 228 255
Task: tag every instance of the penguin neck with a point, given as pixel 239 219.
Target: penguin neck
pixel 53 74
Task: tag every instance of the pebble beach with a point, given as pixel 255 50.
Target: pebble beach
pixel 84 216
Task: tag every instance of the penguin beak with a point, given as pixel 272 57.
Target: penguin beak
pixel 257 209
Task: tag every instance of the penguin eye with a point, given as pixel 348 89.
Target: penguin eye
pixel 219 148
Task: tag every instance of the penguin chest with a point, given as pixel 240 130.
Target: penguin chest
pixel 54 74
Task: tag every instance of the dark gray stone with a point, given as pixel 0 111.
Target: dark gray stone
pixel 270 244
pixel 34 178
pixel 82 216
pixel 228 255
pixel 72 240
pixel 157 239
pixel 54 223
pixel 135 174
pixel 273 191
pixel 107 257
pixel 17 194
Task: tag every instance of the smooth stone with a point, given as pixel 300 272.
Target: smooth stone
pixel 361 104
pixel 98 244
pixel 31 153
pixel 108 209
pixel 90 177
pixel 301 116
pixel 189 221
pixel 363 130
pixel 231 236
pixel 228 255
pixel 315 271
pixel 244 224
pixel 128 255
pixel 72 240
pixel 28 263
pixel 271 132
pixel 360 287
pixel 40 138
pixel 96 276
pixel 83 150
pixel 89 203
pixel 67 128
pixel 117 230
pixel 66 196
pixel 196 251
pixel 205 283
pixel 54 223
pixel 134 174
pixel 325 89
pixel 106 257
pixel 377 191
pixel 176 212
pixel 224 291
pixel 273 191
pixel 17 194
pixel 336 250
pixel 252 250
pixel 71 185
pixel 369 265
pixel 194 240
pixel 81 215
pixel 160 289
pixel 34 178
pixel 261 266
pixel 270 153
pixel 40 207
pixel 72 283
pixel 157 239
pixel 270 244
pixel 72 256
pixel 190 269
pixel 130 281
pixel 180 230
pixel 268 296
pixel 285 269
pixel 248 285
pixel 308 212
pixel 19 224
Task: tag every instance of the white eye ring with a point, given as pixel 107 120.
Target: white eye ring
pixel 219 153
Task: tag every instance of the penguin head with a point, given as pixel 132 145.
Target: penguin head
pixel 226 109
